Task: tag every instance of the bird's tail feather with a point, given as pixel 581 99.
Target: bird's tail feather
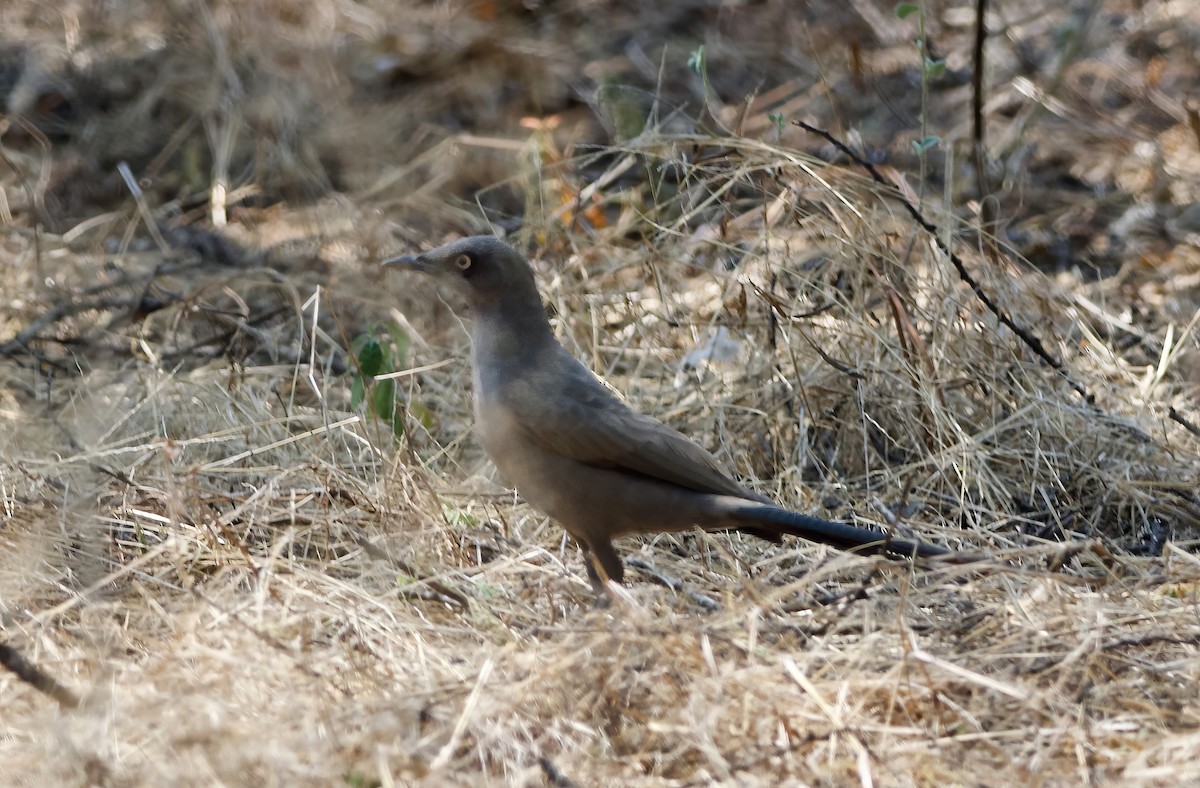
pixel 766 521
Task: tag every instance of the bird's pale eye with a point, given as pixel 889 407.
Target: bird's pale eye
pixel 462 262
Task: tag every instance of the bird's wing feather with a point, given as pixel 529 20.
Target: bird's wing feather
pixel 585 422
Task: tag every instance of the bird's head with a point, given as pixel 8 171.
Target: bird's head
pixel 484 269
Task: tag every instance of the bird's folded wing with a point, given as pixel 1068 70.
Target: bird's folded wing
pixel 586 423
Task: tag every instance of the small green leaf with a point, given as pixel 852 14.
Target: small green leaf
pixel 360 780
pixel 934 68
pixel 461 517
pixel 383 399
pixel 402 342
pixel 357 391
pixel 370 358
pixel 422 414
pixel 696 60
pixel 905 10
pixel 777 119
pixel 925 143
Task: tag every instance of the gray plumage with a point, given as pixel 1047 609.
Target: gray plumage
pixel 579 454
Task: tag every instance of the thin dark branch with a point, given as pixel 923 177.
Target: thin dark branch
pixel 35 677
pixel 977 123
pixel 1031 341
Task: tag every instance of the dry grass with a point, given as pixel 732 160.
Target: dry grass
pixel 243 580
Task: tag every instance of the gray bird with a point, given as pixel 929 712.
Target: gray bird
pixel 579 454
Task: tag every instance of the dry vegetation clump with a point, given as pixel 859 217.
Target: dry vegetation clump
pixel 221 565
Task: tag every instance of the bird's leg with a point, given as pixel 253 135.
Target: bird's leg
pixel 590 565
pixel 600 593
pixel 602 563
pixel 605 564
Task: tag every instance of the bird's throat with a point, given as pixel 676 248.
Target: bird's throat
pixel 516 336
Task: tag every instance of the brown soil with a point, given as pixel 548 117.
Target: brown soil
pixel 224 566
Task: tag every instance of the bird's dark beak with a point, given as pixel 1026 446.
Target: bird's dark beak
pixel 407 263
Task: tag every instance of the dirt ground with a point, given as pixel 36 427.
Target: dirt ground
pixel 247 538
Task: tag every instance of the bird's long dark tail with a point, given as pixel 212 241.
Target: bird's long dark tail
pixel 766 521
